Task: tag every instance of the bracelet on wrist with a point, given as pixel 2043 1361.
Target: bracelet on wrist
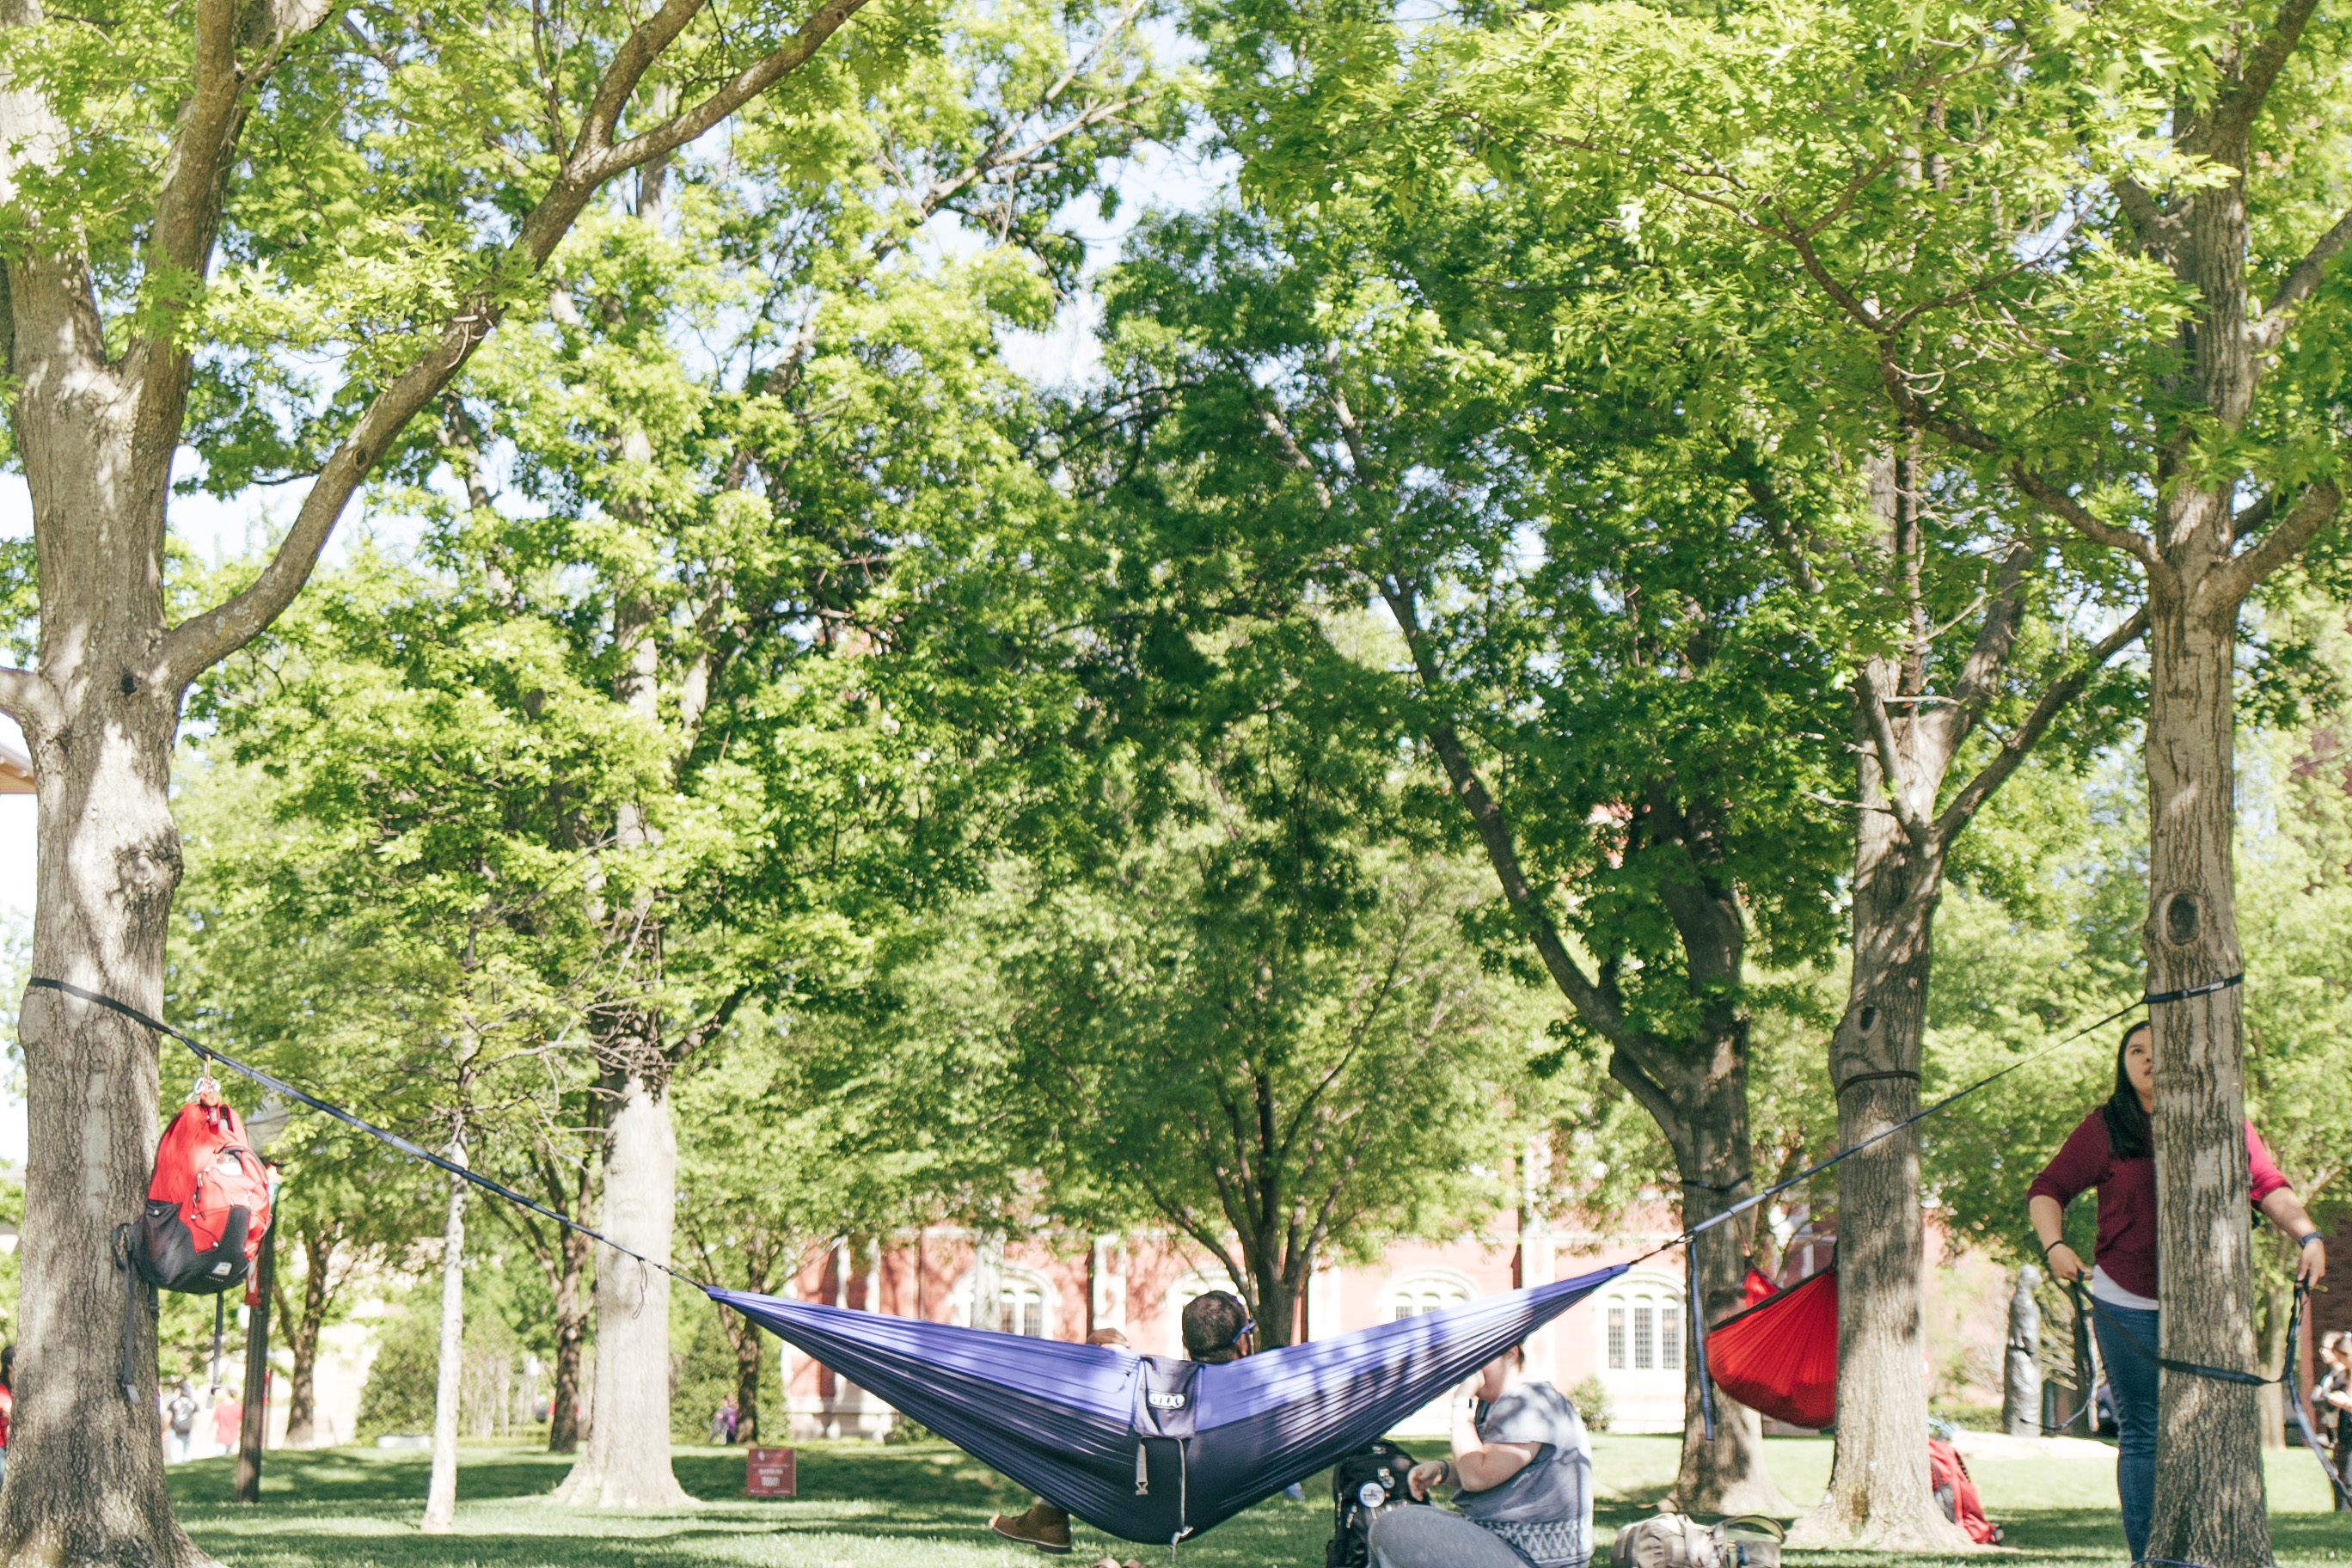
pixel 2048 1245
pixel 2309 1237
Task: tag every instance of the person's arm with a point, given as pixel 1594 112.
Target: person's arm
pixel 1477 1465
pixel 2079 1165
pixel 2281 1209
pixel 2049 1227
pixel 2279 1204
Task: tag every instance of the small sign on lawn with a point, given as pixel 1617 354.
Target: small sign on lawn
pixel 767 1472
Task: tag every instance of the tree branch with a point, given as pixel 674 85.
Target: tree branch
pixel 203 640
pixel 2298 284
pixel 1980 673
pixel 2228 584
pixel 1495 832
pixel 2238 111
pixel 2073 513
pixel 26 697
pixel 1890 755
pixel 1994 773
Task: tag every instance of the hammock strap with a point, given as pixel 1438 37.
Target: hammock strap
pixel 206 1054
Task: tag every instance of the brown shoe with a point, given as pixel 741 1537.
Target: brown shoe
pixel 1045 1527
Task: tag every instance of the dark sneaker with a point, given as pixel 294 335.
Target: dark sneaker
pixel 1045 1527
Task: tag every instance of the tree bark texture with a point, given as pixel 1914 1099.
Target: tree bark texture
pixel 441 1486
pixel 625 1461
pixel 1879 1494
pixel 2208 1495
pixel 85 1466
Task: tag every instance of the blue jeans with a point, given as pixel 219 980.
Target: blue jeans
pixel 2131 1379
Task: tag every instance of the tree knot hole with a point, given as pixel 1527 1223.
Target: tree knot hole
pixel 2180 920
pixel 1869 1019
pixel 129 683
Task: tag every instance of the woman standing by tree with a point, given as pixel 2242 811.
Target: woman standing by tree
pixel 2113 1149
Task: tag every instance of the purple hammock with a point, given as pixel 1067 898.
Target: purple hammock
pixel 1156 1449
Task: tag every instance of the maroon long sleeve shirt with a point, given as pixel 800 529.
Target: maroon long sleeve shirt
pixel 2126 1244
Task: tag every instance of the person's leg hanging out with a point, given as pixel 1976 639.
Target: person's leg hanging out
pixel 2132 1377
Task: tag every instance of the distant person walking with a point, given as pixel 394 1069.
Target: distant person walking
pixel 182 1425
pixel 2113 1149
pixel 722 1421
pixel 228 1418
pixel 2331 1403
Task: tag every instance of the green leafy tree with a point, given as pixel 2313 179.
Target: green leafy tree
pixel 2089 259
pixel 749 407
pixel 1616 692
pixel 378 191
pixel 1283 1057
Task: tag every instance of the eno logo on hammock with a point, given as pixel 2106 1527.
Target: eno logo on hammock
pixel 1164 1401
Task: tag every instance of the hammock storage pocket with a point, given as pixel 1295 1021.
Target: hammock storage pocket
pixel 1166 1412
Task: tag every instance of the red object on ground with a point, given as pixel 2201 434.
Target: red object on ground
pixel 1779 1358
pixel 1948 1474
pixel 767 1472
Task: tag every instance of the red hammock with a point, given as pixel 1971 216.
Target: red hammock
pixel 1778 1357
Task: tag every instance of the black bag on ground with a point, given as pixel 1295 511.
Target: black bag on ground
pixel 1362 1484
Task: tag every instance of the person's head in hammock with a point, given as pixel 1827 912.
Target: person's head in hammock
pixel 1216 1328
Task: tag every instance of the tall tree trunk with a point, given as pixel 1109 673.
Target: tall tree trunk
pixel 626 1462
pixel 1725 1473
pixel 570 1312
pixel 2208 1495
pixel 1879 1494
pixel 441 1489
pixel 85 1463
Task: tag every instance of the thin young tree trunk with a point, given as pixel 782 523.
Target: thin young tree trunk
pixel 302 1331
pixel 749 1359
pixel 570 1313
pixel 2208 1495
pixel 626 1459
pixel 441 1489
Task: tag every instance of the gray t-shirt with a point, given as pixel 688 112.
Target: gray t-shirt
pixel 1546 1510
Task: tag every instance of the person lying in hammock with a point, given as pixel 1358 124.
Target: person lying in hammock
pixel 1522 1474
pixel 1216 1329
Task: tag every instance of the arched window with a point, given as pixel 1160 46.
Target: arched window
pixel 1428 1291
pixel 1642 1327
pixel 1025 1303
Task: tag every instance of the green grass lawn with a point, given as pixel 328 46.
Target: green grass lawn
pixel 864 1506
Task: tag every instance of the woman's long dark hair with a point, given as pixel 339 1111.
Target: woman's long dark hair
pixel 2129 1135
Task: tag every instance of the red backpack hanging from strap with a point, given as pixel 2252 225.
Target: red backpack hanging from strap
pixel 207 1205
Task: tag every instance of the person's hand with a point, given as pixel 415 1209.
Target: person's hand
pixel 1423 1476
pixel 2311 1265
pixel 1473 1387
pixel 2063 1264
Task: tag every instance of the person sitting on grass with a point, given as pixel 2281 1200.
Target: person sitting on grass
pixel 1522 1474
pixel 1216 1329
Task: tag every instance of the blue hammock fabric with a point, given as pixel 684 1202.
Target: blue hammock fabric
pixel 1155 1448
